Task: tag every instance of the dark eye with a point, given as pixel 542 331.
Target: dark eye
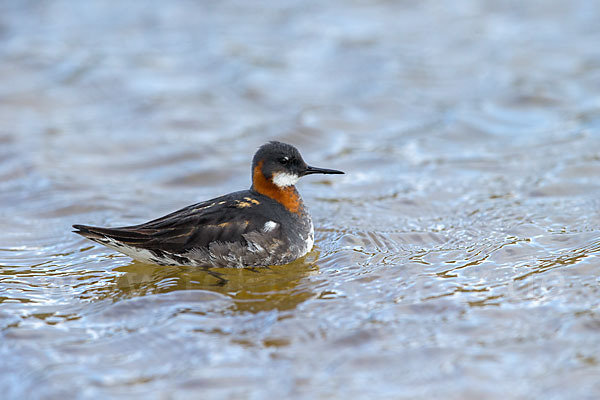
pixel 284 160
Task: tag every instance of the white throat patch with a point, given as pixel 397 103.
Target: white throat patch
pixel 283 179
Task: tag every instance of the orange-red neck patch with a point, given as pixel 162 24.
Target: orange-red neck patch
pixel 287 196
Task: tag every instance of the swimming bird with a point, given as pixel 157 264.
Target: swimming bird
pixel 265 225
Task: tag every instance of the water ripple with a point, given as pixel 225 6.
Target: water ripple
pixel 457 258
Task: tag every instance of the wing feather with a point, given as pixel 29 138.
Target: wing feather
pixel 195 226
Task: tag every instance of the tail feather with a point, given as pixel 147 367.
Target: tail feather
pixel 118 234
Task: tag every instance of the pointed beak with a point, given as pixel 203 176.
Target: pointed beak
pixel 314 170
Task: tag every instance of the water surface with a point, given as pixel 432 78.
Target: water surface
pixel 458 257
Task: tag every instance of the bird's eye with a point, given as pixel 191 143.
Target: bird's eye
pixel 284 160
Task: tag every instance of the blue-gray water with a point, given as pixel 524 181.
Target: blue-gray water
pixel 458 257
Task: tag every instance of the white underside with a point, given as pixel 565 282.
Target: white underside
pixel 137 254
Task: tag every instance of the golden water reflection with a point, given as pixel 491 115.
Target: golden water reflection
pixel 253 290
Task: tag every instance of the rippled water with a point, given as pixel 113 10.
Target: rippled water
pixel 457 258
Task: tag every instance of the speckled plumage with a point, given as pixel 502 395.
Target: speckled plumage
pixel 266 225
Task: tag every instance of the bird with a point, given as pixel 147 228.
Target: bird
pixel 263 226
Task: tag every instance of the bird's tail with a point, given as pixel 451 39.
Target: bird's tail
pixel 99 234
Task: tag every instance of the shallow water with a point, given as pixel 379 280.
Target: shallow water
pixel 457 258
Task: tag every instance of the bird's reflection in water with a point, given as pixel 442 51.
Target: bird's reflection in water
pixel 259 289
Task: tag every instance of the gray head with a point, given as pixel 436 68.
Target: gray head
pixel 282 164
